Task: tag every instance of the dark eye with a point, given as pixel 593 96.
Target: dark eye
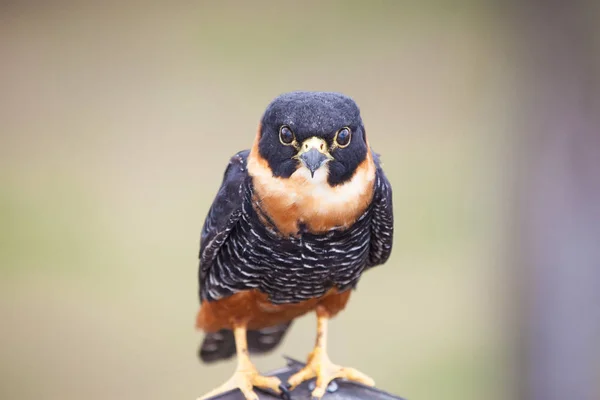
pixel 342 138
pixel 286 136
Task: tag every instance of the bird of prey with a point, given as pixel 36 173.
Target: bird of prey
pixel 298 218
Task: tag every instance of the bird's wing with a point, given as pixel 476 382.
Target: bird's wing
pixel 382 223
pixel 223 215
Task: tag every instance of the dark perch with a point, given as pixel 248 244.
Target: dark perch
pixel 344 390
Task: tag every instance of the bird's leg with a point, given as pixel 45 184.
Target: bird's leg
pixel 320 366
pixel 246 375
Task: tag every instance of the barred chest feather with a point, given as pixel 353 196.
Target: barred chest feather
pixel 296 238
pixel 289 269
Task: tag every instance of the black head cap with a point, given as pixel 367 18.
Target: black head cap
pixel 308 114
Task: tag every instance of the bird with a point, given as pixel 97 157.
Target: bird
pixel 297 220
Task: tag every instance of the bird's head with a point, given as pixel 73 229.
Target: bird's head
pixel 318 135
pixel 311 164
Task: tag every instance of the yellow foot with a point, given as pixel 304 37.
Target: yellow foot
pixel 245 380
pixel 320 366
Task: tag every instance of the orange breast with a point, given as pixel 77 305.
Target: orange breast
pixel 311 201
pixel 253 308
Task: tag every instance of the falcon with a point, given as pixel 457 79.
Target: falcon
pixel 296 222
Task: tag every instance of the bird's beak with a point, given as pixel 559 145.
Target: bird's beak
pixel 314 153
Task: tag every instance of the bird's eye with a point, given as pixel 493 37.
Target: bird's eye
pixel 342 138
pixel 286 136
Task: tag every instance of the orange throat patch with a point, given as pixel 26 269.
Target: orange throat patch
pixel 311 201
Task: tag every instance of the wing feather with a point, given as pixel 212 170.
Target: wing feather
pixel 382 224
pixel 222 216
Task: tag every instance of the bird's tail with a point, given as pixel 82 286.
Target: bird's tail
pixel 221 345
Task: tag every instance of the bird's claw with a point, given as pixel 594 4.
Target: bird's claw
pixel 284 389
pixel 320 367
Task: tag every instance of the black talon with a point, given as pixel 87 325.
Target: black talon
pixel 285 391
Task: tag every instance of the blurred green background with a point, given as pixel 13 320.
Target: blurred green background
pixel 117 121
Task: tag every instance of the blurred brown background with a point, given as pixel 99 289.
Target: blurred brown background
pixel 117 120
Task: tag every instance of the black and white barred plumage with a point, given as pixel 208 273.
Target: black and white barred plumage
pixel 238 252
